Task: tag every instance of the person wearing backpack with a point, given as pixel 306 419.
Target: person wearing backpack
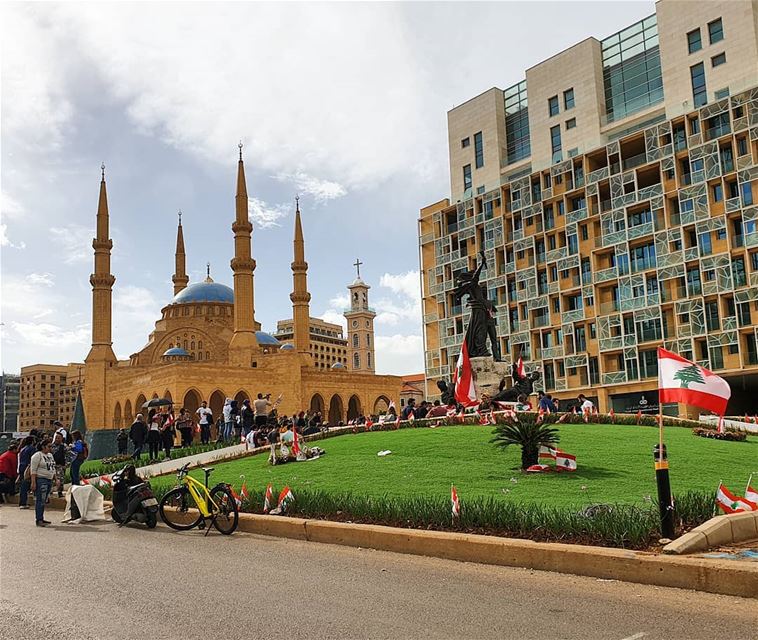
pixel 59 455
pixel 81 453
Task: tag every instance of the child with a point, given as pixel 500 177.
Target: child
pixel 122 440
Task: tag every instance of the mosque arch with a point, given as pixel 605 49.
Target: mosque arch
pixel 241 396
pixel 141 399
pixel 128 417
pixel 216 403
pixel 117 416
pixel 336 409
pixel 381 404
pixel 317 404
pixel 353 407
pixel 191 401
pixel 167 395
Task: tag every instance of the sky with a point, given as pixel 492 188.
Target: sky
pixel 342 103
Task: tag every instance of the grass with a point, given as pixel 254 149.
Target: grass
pixel 615 466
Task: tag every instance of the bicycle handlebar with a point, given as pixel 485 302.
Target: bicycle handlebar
pixel 183 471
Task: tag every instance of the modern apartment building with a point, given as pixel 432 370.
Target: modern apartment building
pixel 614 191
pixel 47 392
pixel 9 387
pixel 328 345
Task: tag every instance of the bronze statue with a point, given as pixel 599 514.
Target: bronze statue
pixel 482 322
pixel 520 386
pixel 447 392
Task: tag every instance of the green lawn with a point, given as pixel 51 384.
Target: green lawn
pixel 615 465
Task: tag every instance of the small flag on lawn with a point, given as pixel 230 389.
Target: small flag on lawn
pixel 565 461
pixel 411 416
pixel 285 497
pixel 540 415
pixel 236 496
pixel 547 453
pixel 295 441
pixel 751 495
pixel 731 503
pixel 267 499
pixel 454 499
pixel 612 415
pixel 244 493
pixel 106 480
pixel 397 423
pixel 639 416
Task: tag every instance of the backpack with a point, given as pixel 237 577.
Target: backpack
pixel 85 452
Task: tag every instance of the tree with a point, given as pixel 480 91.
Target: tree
pixel 530 436
pixel 688 375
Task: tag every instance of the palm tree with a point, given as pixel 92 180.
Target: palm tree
pixel 529 435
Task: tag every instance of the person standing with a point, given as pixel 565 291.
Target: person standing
pixel 261 411
pixel 184 424
pixel 248 417
pixel 167 434
pixel 59 455
pixel 81 453
pixel 154 438
pixel 28 448
pixel 8 471
pixel 42 469
pixel 205 419
pixel 122 442
pixel 138 435
pixel 228 420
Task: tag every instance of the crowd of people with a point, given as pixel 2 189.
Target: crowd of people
pixel 37 464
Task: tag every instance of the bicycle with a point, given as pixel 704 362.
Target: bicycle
pixel 191 503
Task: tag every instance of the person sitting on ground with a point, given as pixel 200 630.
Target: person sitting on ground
pixel 438 410
pixel 423 410
pixel 546 403
pixel 408 409
pixel 523 404
pixel 586 405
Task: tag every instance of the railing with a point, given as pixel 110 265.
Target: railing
pixel 634 161
pixel 540 321
pixel 717 131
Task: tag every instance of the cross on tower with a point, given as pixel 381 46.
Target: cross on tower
pixel 357 264
pixel 180 216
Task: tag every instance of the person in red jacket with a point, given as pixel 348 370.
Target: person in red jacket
pixel 8 468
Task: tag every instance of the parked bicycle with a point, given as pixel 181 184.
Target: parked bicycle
pixel 191 503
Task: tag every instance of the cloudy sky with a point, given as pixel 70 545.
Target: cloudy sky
pixel 342 103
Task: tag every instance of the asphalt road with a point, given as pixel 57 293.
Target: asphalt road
pixel 96 581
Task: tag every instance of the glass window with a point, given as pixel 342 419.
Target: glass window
pixel 570 124
pixel 721 93
pixel 738 272
pixel 747 194
pixel 552 106
pixel 467 177
pixel 555 142
pixel 704 242
pixel 568 99
pixel 715 31
pixel 699 94
pixel 693 41
pixel 718 60
pixel 465 143
pixel 478 150
pixel 718 192
pixel 516 123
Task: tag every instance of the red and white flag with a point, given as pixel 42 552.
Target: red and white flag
pixel 106 480
pixel 244 493
pixel 267 499
pixel 236 496
pixel 540 415
pixel 751 495
pixel 639 416
pixel 493 419
pixel 285 497
pixel 463 379
pixel 451 411
pixel 411 416
pixel 612 415
pixel 680 380
pixel 397 423
pixel 482 418
pixel 565 461
pixel 586 414
pixel 547 453
pixel 731 503
pixel 369 424
pixel 520 370
pixel 295 441
pixel 454 500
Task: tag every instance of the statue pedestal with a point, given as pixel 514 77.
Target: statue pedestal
pixel 488 374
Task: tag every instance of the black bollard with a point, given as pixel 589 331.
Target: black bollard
pixel 665 503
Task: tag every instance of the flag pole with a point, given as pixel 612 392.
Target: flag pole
pixel 749 480
pixel 665 504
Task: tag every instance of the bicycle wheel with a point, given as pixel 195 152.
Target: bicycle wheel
pixel 225 512
pixel 178 510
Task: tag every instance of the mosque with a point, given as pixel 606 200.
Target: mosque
pixel 207 344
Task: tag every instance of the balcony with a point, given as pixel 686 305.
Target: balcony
pixel 540 321
pixel 634 161
pixel 717 131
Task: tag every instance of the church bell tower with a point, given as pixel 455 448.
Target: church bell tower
pixel 360 326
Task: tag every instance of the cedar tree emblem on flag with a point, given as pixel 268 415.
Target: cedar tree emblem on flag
pixel 731 503
pixel 680 380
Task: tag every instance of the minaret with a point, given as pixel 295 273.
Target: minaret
pixel 244 345
pixel 180 277
pixel 300 296
pixel 360 326
pixel 102 284
pixel 101 357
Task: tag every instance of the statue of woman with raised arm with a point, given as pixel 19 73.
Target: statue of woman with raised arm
pixel 467 283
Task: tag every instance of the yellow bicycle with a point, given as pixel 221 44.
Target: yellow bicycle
pixel 191 503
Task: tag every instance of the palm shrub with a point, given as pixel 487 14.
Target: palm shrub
pixel 530 436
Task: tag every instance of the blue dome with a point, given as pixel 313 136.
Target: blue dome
pixel 338 365
pixel 204 292
pixel 266 339
pixel 288 347
pixel 175 351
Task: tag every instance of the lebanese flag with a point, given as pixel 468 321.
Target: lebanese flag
pixel 236 496
pixel 547 453
pixel 411 416
pixel 586 413
pixel 455 503
pixel 295 441
pixel 612 415
pixel 540 415
pixel 369 424
pixel 493 419
pixel 680 380
pixel 285 497
pixel 520 371
pixel 730 503
pixel 639 416
pixel 267 499
pixel 106 480
pixel 463 379
pixel 451 411
pixel 244 493
pixel 397 422
pixel 170 419
pixel 751 494
pixel 565 461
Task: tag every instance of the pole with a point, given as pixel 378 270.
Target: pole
pixel 665 503
pixel 749 480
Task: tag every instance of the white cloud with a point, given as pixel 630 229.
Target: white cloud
pixel 406 284
pixel 25 297
pixel 321 190
pixel 135 312
pixel 335 317
pixel 404 303
pixel 5 241
pixel 50 335
pixel 9 206
pixel 265 215
pixel 399 354
pixel 45 279
pixel 75 241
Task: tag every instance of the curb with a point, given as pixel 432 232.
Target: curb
pixel 717 532
pixel 712 576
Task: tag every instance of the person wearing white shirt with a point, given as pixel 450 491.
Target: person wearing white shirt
pixel 587 405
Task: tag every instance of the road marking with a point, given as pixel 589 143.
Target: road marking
pixel 636 636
